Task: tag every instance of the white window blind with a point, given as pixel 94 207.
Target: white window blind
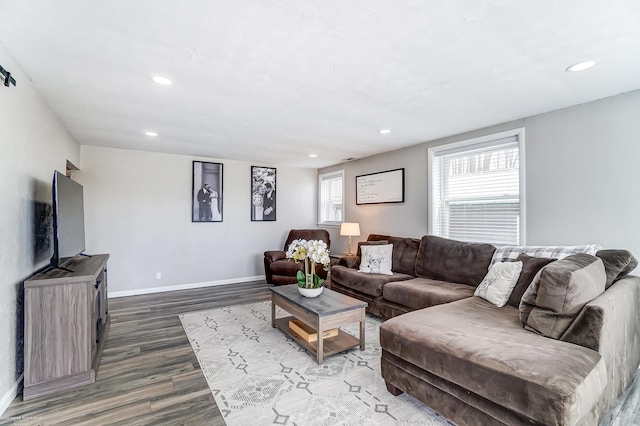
pixel 331 193
pixel 476 192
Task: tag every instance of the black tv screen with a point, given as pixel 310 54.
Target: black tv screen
pixel 68 219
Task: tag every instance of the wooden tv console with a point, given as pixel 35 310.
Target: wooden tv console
pixel 66 319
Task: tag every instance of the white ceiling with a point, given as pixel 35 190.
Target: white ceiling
pixel 270 82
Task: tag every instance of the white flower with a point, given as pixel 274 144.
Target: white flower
pixel 314 250
pixel 297 250
pixel 318 252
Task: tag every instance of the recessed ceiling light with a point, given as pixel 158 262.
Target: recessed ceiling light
pixel 151 133
pixel 161 80
pixel 581 66
pixel 313 155
pixel 384 131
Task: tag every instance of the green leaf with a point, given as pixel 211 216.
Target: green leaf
pixel 300 278
pixel 317 281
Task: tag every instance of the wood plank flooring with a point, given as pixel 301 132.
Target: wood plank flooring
pixel 150 376
pixel 148 373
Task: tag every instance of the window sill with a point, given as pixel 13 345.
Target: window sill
pixel 329 225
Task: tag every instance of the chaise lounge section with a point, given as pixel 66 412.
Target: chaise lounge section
pixel 475 362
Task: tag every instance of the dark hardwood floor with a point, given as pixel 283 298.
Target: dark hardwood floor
pixel 148 373
pixel 150 376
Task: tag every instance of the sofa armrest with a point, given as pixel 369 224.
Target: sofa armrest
pixel 275 255
pixel 610 324
pixel 349 261
pixel 603 320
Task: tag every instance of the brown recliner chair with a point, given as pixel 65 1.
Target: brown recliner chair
pixel 280 270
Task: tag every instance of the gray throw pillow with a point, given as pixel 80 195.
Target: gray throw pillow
pixel 617 264
pixel 559 292
pixel 530 267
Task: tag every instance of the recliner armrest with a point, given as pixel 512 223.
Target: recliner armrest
pixel 274 255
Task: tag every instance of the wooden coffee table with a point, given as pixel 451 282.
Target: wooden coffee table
pixel 329 310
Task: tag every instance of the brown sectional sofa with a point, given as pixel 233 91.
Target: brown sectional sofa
pixel 474 362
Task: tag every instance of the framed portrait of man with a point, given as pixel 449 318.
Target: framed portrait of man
pixel 206 193
pixel 263 194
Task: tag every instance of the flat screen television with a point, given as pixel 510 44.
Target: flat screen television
pixel 68 220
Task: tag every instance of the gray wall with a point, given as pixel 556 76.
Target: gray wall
pixel 581 171
pixel 138 205
pixel 34 144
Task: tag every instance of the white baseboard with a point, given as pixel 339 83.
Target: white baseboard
pixel 11 394
pixel 137 292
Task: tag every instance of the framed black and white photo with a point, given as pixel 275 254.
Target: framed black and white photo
pixel 263 194
pixel 206 193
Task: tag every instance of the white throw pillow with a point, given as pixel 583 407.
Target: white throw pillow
pixel 376 259
pixel 497 285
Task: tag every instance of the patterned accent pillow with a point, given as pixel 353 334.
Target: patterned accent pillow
pixel 376 259
pixel 497 285
pixel 367 243
pixel 506 253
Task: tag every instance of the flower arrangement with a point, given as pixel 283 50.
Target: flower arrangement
pixel 312 252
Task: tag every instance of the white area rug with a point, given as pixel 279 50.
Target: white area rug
pixel 259 376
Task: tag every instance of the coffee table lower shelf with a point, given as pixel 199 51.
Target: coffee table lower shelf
pixel 330 345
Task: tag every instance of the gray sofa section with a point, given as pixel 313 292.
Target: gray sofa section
pixel 475 363
pixel 418 293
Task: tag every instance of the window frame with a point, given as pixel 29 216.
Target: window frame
pixel 471 144
pixel 321 177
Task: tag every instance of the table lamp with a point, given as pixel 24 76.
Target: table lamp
pixel 350 229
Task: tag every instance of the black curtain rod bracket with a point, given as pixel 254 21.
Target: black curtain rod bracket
pixel 8 78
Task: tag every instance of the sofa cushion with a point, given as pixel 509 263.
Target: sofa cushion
pixel 497 285
pixel 558 293
pixel 453 261
pixel 370 284
pixel 405 251
pixel 376 259
pixel 421 293
pixel 530 267
pixel 485 350
pixel 617 264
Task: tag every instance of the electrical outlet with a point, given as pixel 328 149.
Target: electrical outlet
pixel 158 275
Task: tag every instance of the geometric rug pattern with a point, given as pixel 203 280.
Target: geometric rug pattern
pixel 259 376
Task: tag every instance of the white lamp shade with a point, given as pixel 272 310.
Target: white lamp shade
pixel 350 229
